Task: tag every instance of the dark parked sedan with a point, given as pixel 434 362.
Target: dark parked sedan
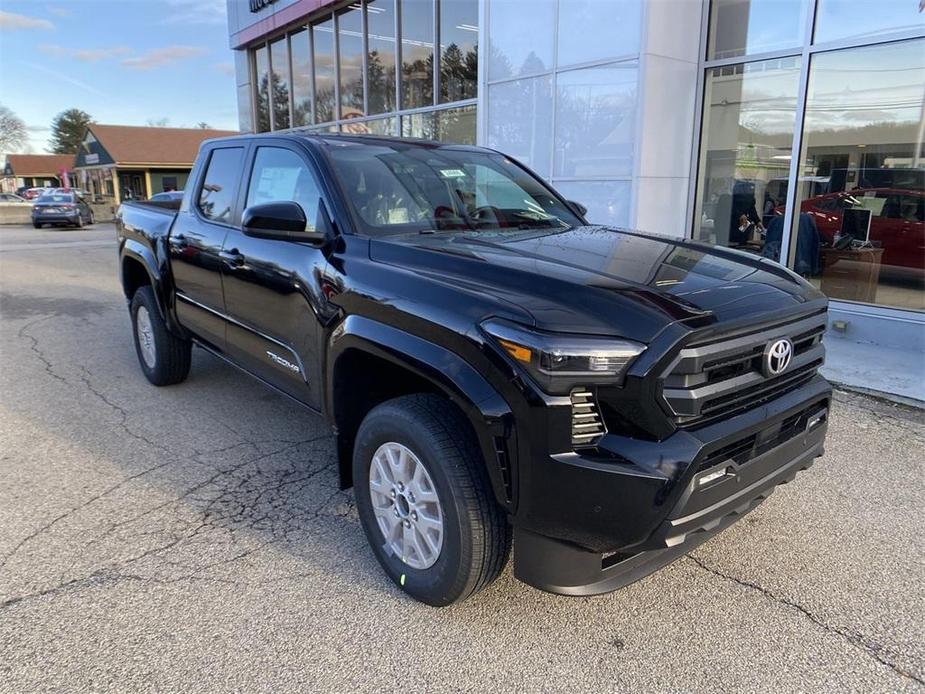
pixel 61 208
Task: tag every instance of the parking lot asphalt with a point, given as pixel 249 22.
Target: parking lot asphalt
pixel 193 538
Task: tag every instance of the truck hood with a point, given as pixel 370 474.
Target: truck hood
pixel 601 280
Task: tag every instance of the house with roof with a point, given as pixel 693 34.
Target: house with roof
pixel 120 161
pixel 35 170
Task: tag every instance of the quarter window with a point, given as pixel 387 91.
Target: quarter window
pixel 281 175
pixel 216 196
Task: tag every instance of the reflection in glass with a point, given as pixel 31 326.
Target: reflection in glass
pixel 279 61
pixel 838 19
pixel 459 35
pixel 216 197
pixel 527 49
pixel 380 21
pixel 417 53
pixel 592 30
pixel 376 126
pixel 595 121
pixel 350 50
pixel 301 78
pixel 262 73
pixel 748 120
pixel 862 175
pixel 456 125
pixel 323 35
pixel 744 27
pixel 245 118
pixel 422 125
pixel 607 201
pixel 520 121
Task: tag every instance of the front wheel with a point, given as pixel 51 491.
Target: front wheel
pixel 164 357
pixel 425 501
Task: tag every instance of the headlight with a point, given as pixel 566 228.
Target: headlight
pixel 557 361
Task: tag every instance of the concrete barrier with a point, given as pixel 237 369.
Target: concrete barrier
pixel 15 213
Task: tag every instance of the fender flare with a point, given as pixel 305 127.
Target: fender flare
pixel 141 253
pixel 489 414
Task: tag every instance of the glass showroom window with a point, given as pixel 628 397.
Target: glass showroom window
pixel 262 97
pixel 860 231
pixel 300 48
pixel 749 111
pixel 380 59
pixel 281 86
pixel 459 37
pixel 325 70
pixel 350 63
pixel 341 72
pixel 746 27
pixel 417 53
pixel 562 95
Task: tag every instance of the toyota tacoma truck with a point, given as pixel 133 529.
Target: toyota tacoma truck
pixel 496 370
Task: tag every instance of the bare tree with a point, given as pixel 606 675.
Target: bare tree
pixel 13 133
pixel 158 122
pixel 202 125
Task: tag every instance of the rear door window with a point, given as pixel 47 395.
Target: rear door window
pixel 217 193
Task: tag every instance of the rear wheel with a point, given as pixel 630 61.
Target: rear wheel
pixel 164 358
pixel 425 501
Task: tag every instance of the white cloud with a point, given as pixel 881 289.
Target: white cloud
pixel 93 55
pixel 225 68
pixel 162 56
pixel 199 12
pixel 10 22
pixel 84 55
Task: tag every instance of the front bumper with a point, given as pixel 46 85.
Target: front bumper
pixel 635 513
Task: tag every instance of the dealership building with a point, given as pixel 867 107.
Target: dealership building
pixel 790 129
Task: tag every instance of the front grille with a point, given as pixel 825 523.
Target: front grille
pixel 587 425
pixel 721 377
pixel 748 447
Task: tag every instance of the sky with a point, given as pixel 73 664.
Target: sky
pixel 124 62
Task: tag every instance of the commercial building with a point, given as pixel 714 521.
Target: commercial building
pixel 118 161
pixel 35 171
pixel 791 129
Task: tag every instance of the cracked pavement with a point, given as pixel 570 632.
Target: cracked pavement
pixel 194 538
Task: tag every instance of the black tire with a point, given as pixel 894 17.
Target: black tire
pixel 37 225
pixel 172 355
pixel 91 220
pixel 80 222
pixel 476 535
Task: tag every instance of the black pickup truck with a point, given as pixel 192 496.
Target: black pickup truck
pixel 495 369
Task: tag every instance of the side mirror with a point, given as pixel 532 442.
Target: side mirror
pixel 284 221
pixel 577 208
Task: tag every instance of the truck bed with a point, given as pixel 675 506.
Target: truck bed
pixel 146 218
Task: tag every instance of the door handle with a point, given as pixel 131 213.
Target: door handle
pixel 233 257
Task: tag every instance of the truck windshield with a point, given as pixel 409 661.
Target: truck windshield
pixel 402 188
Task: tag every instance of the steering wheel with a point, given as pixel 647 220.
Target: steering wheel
pixel 487 214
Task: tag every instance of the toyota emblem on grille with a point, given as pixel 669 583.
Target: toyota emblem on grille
pixel 777 357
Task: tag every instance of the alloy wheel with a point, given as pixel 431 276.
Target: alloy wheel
pixel 406 505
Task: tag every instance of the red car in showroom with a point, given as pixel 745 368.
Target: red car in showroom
pixel 897 222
